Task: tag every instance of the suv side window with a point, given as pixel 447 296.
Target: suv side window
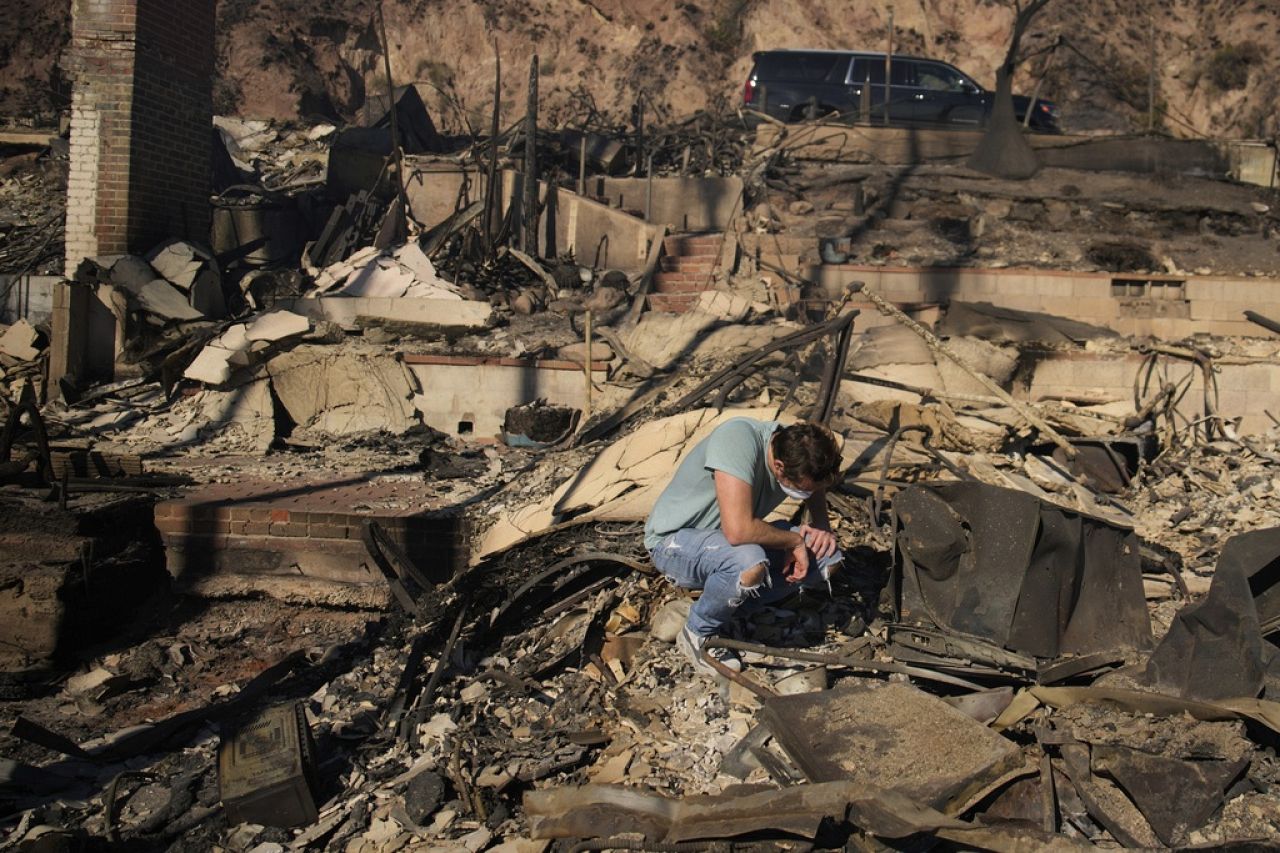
pixel 801 67
pixel 867 70
pixel 940 78
pixel 902 72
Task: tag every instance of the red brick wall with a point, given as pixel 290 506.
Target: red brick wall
pixel 141 124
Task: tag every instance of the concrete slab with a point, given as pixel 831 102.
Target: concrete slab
pixel 344 310
pixel 212 366
pixel 276 326
pixel 895 737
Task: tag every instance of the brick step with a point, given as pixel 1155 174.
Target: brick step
pixel 674 303
pixel 687 263
pixel 662 286
pixel 699 279
pixel 693 246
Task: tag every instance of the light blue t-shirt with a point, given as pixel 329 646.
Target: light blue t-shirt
pixel 738 447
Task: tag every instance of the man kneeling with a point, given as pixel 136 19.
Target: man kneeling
pixel 707 529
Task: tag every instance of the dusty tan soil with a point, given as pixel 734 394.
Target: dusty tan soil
pixel 281 58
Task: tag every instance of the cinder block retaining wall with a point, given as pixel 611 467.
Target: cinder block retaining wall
pixel 470 395
pixel 1167 307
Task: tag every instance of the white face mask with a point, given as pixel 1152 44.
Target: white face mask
pixel 798 494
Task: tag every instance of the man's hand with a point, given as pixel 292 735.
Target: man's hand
pixel 797 565
pixel 821 542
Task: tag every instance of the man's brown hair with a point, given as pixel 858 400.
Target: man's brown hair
pixel 809 451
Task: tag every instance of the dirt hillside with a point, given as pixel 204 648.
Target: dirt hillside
pixel 1215 74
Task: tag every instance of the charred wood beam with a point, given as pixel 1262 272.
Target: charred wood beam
pixel 529 208
pixel 491 175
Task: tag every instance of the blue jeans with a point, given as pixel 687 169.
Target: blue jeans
pixel 704 559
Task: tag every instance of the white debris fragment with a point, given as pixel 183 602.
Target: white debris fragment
pixel 19 340
pixel 277 325
pixel 406 272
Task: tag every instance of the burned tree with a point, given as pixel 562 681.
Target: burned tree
pixel 1004 151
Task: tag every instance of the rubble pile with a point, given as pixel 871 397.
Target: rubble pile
pixel 1056 626
pixel 537 695
pixel 33 187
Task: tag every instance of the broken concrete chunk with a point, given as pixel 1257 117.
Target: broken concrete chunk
pixel 161 298
pixel 411 256
pixel 212 366
pixel 276 326
pixel 132 273
pixel 600 351
pixel 897 736
pixel 177 261
pixel 19 341
pixel 338 393
pixel 234 338
pixel 670 619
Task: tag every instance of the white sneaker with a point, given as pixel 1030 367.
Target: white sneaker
pixel 693 646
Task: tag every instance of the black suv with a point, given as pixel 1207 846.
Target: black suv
pixel 792 85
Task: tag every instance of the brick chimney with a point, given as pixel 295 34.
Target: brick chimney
pixel 141 124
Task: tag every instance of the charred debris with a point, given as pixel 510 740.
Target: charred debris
pixel 1059 630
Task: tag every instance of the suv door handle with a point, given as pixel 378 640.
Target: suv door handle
pixel 919 96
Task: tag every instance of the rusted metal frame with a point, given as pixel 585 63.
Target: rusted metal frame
pixel 44 459
pixel 578 560
pixel 406 687
pixel 841 660
pixel 733 675
pixel 827 392
pixel 792 362
pixel 408 730
pixel 110 800
pixel 743 368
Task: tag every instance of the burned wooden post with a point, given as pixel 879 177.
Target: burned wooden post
pixel 491 175
pixel 397 151
pixel 529 205
pixel 888 68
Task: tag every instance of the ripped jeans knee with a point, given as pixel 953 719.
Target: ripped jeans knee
pixel 745 591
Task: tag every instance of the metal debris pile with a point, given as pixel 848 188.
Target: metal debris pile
pixel 1047 636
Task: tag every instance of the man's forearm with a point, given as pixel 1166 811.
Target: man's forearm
pixel 818 515
pixel 766 535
